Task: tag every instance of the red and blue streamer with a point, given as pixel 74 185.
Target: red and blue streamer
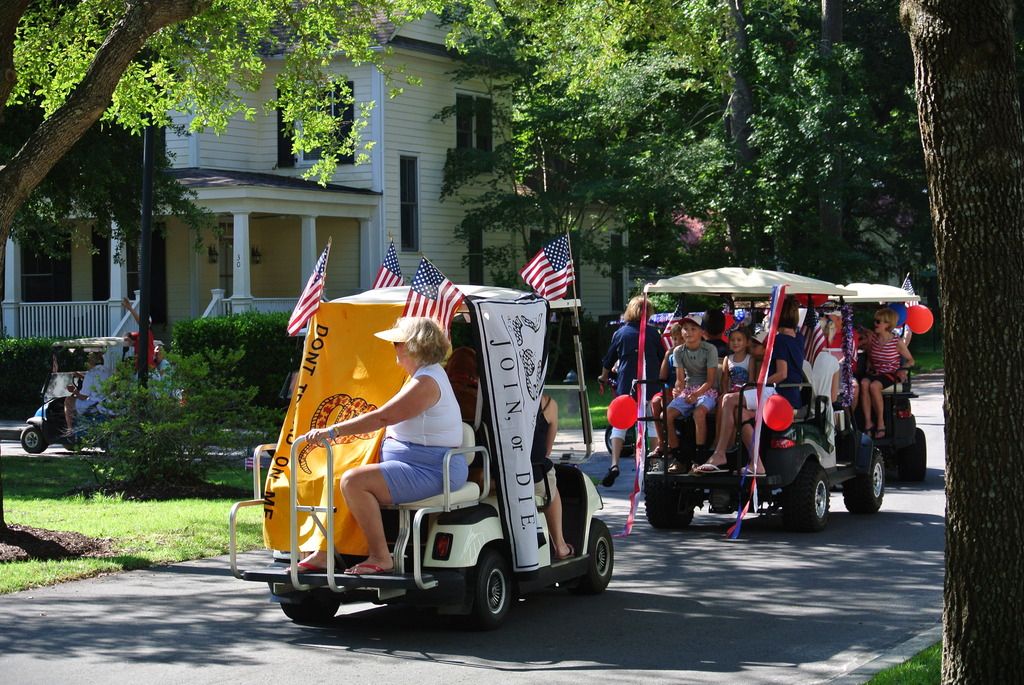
pixel 775 311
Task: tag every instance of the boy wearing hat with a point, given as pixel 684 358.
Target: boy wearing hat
pixel 696 362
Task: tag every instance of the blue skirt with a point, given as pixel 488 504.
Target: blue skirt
pixel 413 472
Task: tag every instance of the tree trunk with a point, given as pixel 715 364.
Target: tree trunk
pixel 10 16
pixel 739 110
pixel 830 204
pixel 85 104
pixel 973 142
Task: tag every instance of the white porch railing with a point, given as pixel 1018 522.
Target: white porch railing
pixel 63 319
pixel 225 306
pixel 274 304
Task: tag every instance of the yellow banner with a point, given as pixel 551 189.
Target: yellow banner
pixel 345 371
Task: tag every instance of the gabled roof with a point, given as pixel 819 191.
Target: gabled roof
pixel 193 177
pixel 385 31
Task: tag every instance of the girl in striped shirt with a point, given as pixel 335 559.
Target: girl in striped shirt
pixel 886 354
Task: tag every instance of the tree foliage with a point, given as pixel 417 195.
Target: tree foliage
pixel 187 419
pixel 130 62
pixel 97 181
pixel 625 116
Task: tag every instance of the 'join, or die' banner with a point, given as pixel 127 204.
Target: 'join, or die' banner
pixel 510 336
pixel 345 371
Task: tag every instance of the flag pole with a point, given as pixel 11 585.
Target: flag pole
pixel 588 428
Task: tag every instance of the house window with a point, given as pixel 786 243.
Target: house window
pixel 45 278
pixel 346 115
pixel 408 193
pixel 473 124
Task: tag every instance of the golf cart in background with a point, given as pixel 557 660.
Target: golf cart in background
pixel 455 552
pixel 48 425
pixel 903 447
pixel 802 463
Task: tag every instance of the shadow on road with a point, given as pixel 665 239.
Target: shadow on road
pixel 680 602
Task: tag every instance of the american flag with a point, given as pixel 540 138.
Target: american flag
pixel 814 337
pixel 432 295
pixel 550 272
pixel 390 272
pixel 666 335
pixel 309 301
pixel 908 286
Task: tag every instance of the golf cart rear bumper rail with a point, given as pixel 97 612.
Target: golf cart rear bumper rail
pixel 449 587
pixel 711 480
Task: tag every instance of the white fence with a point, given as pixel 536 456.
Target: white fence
pixel 63 319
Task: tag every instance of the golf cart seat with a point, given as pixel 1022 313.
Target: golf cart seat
pixel 895 388
pixel 411 514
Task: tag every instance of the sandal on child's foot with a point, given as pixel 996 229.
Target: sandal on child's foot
pixel 609 478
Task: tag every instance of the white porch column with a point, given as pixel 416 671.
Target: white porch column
pixel 308 250
pixel 12 288
pixel 118 284
pixel 241 297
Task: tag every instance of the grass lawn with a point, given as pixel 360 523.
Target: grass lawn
pixel 143 533
pixel 923 669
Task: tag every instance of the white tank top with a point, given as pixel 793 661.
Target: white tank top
pixel 441 424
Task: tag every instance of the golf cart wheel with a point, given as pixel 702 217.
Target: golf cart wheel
pixel 628 443
pixel 912 463
pixel 314 608
pixel 601 561
pixel 32 440
pixel 806 500
pixel 492 590
pixel 863 494
pixel 666 507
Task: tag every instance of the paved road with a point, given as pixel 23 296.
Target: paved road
pixel 683 607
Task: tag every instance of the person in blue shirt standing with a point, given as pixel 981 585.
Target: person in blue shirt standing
pixel 623 349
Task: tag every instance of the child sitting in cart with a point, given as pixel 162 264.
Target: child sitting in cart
pixel 668 381
pixel 886 353
pixel 786 369
pixel 696 364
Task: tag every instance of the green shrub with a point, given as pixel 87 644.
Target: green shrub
pixel 172 431
pixel 25 365
pixel 268 353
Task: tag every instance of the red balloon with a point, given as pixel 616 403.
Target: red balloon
pixel 920 318
pixel 818 300
pixel 730 320
pixel 778 413
pixel 622 412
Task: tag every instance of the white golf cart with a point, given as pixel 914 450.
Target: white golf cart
pixel 48 425
pixel 471 550
pixel 801 463
pixel 904 446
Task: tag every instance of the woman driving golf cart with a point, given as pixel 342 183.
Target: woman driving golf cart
pixel 423 422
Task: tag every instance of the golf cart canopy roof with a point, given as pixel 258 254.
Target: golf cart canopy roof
pixel 89 344
pixel 879 293
pixel 733 280
pixel 399 294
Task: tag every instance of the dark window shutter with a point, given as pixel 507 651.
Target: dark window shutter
pixel 484 127
pixel 285 158
pixel 348 118
pixel 463 121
